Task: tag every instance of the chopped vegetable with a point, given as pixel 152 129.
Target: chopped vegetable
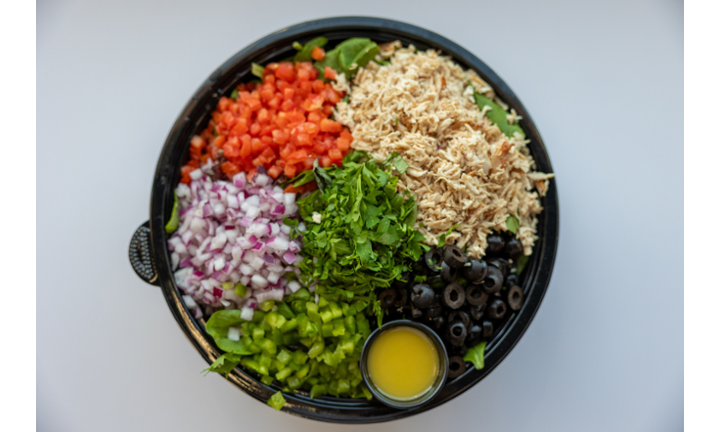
pixel 280 126
pixel 441 238
pixel 522 262
pixel 174 221
pixel 257 70
pixel 224 364
pixel 512 223
pixel 348 57
pixel 366 238
pixel 305 51
pixel 476 355
pixel 498 116
pixel 232 238
pixel 297 342
pixel 277 401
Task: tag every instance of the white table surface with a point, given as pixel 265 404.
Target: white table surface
pixel 602 80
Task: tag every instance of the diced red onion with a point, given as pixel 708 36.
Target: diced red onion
pixel 232 232
pixel 189 302
pixel 293 286
pixel 246 313
pixel 239 181
pixel 289 257
pixel 196 174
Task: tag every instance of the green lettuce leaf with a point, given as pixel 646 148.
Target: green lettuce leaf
pixel 476 355
pixel 522 263
pixel 217 327
pixel 512 223
pixel 306 50
pixel 498 116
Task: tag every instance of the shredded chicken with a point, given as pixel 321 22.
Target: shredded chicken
pixel 463 169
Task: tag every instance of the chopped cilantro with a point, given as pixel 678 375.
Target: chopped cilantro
pixel 365 239
pixel 441 239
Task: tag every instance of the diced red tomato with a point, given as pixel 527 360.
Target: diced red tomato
pixel 330 73
pixel 281 124
pixel 327 125
pixel 317 53
pixel 275 171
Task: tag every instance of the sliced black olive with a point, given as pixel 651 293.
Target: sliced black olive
pixel 496 244
pixel 500 263
pixel 456 366
pixel 475 296
pixel 454 256
pixel 388 297
pixel 462 281
pixel 422 296
pixel 476 312
pixel 458 350
pixel 435 281
pixel 448 274
pixel 453 296
pixel 508 266
pixel 497 309
pixel 493 281
pixel 487 327
pixel 511 280
pixel 415 313
pixel 474 270
pixel 459 315
pixel 437 323
pixel 432 312
pixel 515 297
pixel 474 334
pixel 457 332
pixel 433 260
pixel 512 248
pixel 405 281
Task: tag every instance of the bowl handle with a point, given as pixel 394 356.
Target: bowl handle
pixel 141 255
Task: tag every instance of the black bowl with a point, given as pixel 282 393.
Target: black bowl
pixel 151 260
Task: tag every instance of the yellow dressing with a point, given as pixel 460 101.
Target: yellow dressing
pixel 403 363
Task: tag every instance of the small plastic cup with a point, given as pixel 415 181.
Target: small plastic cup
pixel 427 395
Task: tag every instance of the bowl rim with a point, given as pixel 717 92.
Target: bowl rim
pixel 442 353
pixel 340 410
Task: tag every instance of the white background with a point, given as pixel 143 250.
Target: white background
pixel 603 82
